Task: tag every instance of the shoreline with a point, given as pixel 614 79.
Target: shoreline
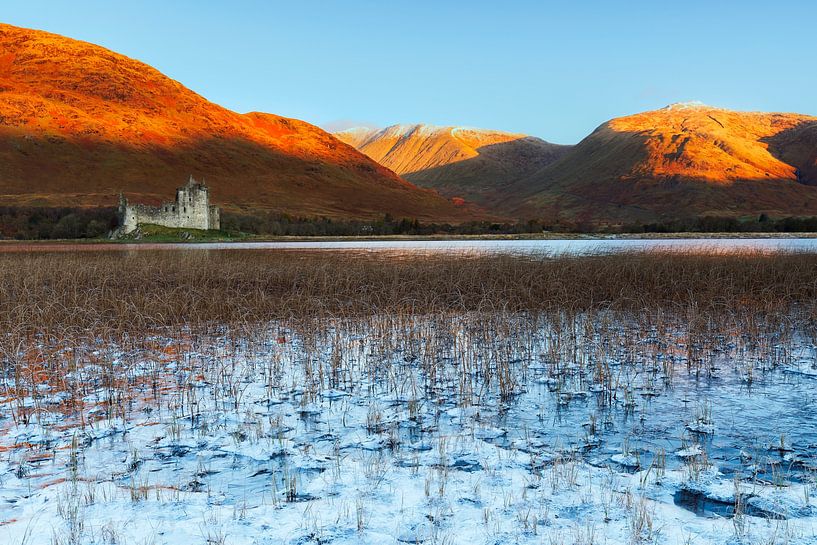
pixel 430 238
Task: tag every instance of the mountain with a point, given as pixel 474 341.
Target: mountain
pixel 79 123
pixel 682 161
pixel 475 164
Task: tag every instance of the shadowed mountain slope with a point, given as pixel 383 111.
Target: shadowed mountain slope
pixel 682 161
pixel 475 164
pixel 79 123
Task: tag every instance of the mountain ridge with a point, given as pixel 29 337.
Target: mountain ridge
pixel 457 161
pixel 680 162
pixel 79 123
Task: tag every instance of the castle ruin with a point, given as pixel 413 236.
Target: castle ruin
pixel 192 210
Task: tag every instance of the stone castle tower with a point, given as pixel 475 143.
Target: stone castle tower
pixel 191 210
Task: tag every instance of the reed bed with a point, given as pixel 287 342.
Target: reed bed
pixel 137 291
pixel 392 351
pixel 466 319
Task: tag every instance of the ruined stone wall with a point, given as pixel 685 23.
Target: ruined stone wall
pixel 215 217
pixel 170 216
pixel 129 219
pixel 191 210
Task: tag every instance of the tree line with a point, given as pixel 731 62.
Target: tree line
pixel 39 223
pixel 43 223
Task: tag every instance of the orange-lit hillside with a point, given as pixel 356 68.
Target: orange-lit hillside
pixel 702 143
pixel 78 123
pixel 682 161
pixel 457 161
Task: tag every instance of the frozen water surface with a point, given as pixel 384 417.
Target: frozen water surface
pixel 398 432
pixel 460 428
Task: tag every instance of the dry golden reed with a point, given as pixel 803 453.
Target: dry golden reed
pixel 135 292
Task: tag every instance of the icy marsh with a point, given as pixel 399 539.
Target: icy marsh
pixel 304 398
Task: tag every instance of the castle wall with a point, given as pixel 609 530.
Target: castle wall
pixel 129 218
pixel 215 217
pixel 191 210
pixel 182 217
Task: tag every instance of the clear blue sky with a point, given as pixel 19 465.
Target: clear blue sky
pixel 551 69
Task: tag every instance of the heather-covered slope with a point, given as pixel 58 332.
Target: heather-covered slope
pixel 682 161
pixel 79 123
pixel 475 164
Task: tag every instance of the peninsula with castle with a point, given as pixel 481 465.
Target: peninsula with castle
pixel 190 210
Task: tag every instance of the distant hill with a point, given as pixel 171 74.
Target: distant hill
pixel 79 123
pixel 681 161
pixel 475 164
